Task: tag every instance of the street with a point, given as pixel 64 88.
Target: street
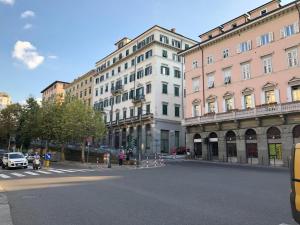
pixel 181 193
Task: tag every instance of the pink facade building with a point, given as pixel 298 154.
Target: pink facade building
pixel 243 87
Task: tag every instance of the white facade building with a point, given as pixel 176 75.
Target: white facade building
pixel 142 83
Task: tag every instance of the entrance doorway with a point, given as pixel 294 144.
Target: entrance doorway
pixel 274 146
pixel 213 148
pixel 197 146
pixel 231 152
pixel 251 146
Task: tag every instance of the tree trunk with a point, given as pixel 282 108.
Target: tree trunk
pixel 83 153
pixel 62 153
pixel 8 148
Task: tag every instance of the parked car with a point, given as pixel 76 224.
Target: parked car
pixel 14 160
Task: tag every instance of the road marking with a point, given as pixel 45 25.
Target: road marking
pixel 43 172
pixel 4 176
pixel 18 174
pixel 86 170
pixel 56 171
pixel 68 171
pixel 32 173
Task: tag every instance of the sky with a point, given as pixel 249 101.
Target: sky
pixel 46 40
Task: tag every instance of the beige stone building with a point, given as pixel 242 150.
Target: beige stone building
pixel 81 88
pixel 5 100
pixel 54 90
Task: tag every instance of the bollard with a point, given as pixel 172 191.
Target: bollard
pixel 155 162
pixel 147 162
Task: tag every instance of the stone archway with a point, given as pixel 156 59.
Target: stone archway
pixel 274 146
pixel 197 145
pixel 251 146
pixel 296 134
pixel 231 150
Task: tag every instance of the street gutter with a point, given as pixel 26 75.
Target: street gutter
pixel 5 216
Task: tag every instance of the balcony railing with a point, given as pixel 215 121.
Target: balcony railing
pixel 129 120
pixel 117 89
pixel 138 99
pixel 259 111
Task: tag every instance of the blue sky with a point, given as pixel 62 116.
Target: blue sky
pixel 64 38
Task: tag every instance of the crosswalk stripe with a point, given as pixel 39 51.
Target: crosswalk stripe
pixel 32 173
pixel 43 172
pixel 86 170
pixel 4 176
pixel 56 171
pixel 18 174
pixel 68 171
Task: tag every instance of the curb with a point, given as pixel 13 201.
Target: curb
pixel 5 216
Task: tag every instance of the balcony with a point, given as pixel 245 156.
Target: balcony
pixel 117 90
pixel 130 120
pixel 259 111
pixel 138 99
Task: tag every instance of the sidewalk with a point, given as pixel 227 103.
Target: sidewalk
pixel 5 216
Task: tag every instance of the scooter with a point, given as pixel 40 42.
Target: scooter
pixel 36 164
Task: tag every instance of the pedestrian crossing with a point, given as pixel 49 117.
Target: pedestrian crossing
pixel 35 173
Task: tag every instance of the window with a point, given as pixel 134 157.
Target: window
pixel 267 64
pixel 195 84
pixel 125 96
pixel 210 60
pixel 195 64
pixel 225 53
pixel 227 75
pixel 148 70
pixel 132 77
pixel 105 103
pixel 140 74
pixel 148 54
pixel 176 90
pixel 248 101
pixel 292 57
pixel 164 53
pixel 234 25
pixel 114 60
pixel 177 73
pixel 262 12
pixel 270 96
pixel 101 90
pixel 186 46
pixel 107 75
pixel 132 62
pixel 126 66
pixel 148 88
pixel 85 92
pixel 127 52
pixel 177 110
pixel 132 112
pixel 119 69
pixel 176 58
pixel 265 39
pixel 165 88
pixel 124 113
pixel 164 39
pixel 125 80
pixel 210 81
pixel 164 70
pixel 118 99
pixel 176 43
pixel 131 94
pixel 296 93
pixel 165 109
pixel 113 72
pixel 228 104
pixel 96 92
pixel 120 56
pixel 164 141
pixel 211 107
pixel 245 68
pixel 289 30
pixel 102 78
pixel 196 110
pixel 90 90
pixel 80 94
pixel 148 108
pixel 244 46
pixel 106 87
pixel 140 58
pixel 96 81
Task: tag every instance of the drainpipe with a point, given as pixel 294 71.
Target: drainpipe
pixel 202 67
pixel 298 9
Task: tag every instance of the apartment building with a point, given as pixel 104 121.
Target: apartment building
pixel 243 87
pixel 81 88
pixel 5 100
pixel 139 89
pixel 54 90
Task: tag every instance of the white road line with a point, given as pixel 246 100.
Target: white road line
pixel 68 171
pixel 32 173
pixel 4 176
pixel 56 171
pixel 18 174
pixel 86 170
pixel 43 172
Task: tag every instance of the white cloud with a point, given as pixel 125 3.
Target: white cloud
pixel 52 56
pixel 27 26
pixel 7 2
pixel 25 52
pixel 27 14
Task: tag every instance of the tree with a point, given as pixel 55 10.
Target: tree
pixel 10 122
pixel 81 122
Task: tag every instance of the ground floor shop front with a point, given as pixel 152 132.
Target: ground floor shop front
pixel 266 141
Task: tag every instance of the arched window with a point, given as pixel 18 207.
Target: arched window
pixel 250 134
pixel 296 131
pixel 273 133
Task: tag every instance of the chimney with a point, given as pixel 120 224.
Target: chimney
pixel 173 30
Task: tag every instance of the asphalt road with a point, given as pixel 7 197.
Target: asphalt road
pixel 182 193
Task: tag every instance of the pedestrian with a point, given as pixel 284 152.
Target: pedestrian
pixel 121 157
